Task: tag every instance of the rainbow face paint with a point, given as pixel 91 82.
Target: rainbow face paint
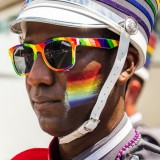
pixel 83 87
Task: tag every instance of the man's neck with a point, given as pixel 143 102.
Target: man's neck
pixel 70 150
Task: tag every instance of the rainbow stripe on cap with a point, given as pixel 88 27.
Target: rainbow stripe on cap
pixel 144 11
pixel 24 4
pixel 27 1
pixel 150 50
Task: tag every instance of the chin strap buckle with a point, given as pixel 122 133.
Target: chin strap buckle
pixel 86 127
pixel 91 124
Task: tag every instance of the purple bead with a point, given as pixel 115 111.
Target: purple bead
pixel 130 143
pixel 119 155
pixel 123 148
pixel 121 151
pixel 126 146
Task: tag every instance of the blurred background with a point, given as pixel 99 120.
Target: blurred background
pixel 19 128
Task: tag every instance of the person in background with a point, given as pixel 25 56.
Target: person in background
pixel 134 90
pixel 77 56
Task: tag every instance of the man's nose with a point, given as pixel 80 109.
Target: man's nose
pixel 40 73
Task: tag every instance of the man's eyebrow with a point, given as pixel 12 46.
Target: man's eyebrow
pixel 52 38
pixel 28 41
pixel 32 42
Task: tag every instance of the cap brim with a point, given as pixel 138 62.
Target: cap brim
pixel 56 13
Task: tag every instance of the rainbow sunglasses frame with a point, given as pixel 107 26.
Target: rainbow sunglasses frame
pixel 74 42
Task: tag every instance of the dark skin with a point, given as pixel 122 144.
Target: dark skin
pixel 46 88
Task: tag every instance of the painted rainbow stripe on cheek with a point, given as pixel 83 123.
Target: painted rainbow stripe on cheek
pixel 82 88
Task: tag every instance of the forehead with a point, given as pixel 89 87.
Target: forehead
pixel 33 29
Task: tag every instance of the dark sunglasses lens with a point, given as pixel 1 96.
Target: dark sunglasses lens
pixel 59 54
pixel 23 59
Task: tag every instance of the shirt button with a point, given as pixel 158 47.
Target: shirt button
pixel 134 157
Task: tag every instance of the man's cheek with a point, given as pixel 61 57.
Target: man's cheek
pixel 83 87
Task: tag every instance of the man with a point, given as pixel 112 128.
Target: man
pixel 77 57
pixel 135 87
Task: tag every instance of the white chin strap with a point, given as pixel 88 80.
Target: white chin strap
pixel 92 123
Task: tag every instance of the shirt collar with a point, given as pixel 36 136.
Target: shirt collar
pixel 123 127
pixel 104 146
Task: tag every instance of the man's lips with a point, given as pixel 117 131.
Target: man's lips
pixel 46 105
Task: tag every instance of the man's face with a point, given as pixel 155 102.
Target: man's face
pixel 62 101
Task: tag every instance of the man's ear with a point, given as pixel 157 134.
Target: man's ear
pixel 129 66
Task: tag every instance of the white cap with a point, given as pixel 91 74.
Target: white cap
pixel 88 13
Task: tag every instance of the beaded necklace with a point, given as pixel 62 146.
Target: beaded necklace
pixel 130 144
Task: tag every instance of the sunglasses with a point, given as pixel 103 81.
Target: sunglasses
pixel 57 53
